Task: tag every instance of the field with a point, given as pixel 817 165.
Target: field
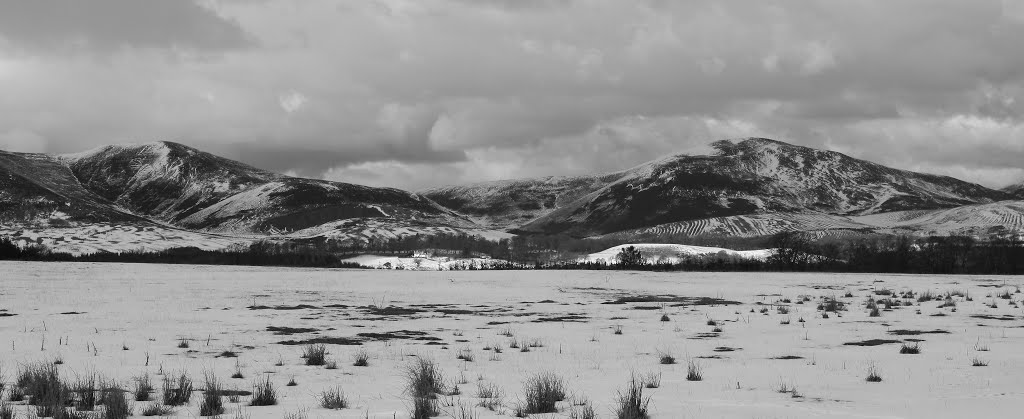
pixel 760 342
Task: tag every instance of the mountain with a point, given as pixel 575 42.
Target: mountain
pixel 161 195
pixel 1016 190
pixel 151 196
pixel 749 177
pixel 40 189
pixel 192 189
pixel 983 220
pixel 508 204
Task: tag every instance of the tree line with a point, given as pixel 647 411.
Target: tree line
pixel 792 252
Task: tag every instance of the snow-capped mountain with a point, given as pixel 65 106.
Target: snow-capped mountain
pixel 753 176
pixel 126 197
pixel 93 200
pixel 192 189
pixel 40 188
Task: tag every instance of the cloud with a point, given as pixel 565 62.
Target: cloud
pixel 459 90
pixel 114 24
pixel 292 101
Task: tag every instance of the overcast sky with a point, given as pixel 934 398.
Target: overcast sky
pixel 418 93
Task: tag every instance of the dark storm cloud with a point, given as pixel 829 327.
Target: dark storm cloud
pixel 106 24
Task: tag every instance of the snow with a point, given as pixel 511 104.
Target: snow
pixel 672 253
pixel 148 308
pixel 422 262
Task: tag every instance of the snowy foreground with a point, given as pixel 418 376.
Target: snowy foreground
pixel 109 318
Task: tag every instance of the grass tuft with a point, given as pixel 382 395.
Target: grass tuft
pixel 910 349
pixel 177 392
pixel 333 399
pixel 631 403
pixel 542 392
pixel 212 404
pixel 361 359
pixel 143 388
pixel 263 393
pixel 315 354
pixel 157 409
pixel 873 375
pixel 694 372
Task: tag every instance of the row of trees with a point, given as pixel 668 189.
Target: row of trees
pixel 793 252
pixel 257 254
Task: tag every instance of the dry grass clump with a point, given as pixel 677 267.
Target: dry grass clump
pixel 666 358
pixel 424 382
pixel 85 392
pixel 361 359
pixel 49 393
pixel 651 380
pixel 333 399
pixel 631 403
pixel 263 393
pixel 238 371
pixel 694 372
pixel 115 404
pixel 873 375
pixel 907 349
pixel 315 354
pixel 157 409
pixel 212 404
pixel 177 392
pixel 542 392
pixel 143 387
pixel 466 355
pixel 490 396
pixel 582 410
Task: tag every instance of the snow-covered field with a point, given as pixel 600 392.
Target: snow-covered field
pixel 109 318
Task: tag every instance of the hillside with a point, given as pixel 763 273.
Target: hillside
pixel 750 177
pixel 192 189
pixel 37 189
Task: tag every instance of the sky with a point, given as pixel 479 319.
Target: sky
pixel 421 93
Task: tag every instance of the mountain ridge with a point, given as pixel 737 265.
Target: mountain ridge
pixel 748 187
pixel 755 175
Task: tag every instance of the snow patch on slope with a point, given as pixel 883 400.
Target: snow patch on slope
pixel 673 253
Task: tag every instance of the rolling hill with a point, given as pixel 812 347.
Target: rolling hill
pixel 753 177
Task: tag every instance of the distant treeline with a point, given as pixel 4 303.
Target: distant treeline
pixel 532 249
pixel 258 254
pixel 901 254
pixel 794 252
